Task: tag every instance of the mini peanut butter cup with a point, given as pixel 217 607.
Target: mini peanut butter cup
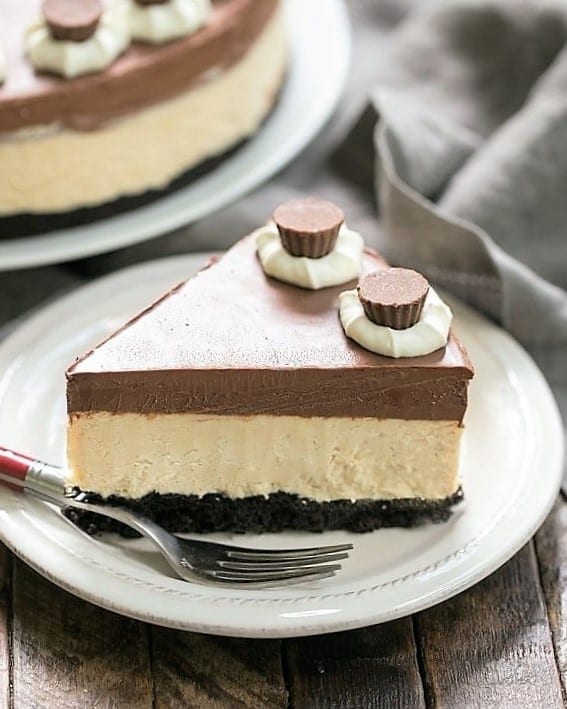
pixel 393 297
pixel 72 20
pixel 308 227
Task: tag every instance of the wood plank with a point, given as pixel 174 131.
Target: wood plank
pixel 551 548
pixel 367 668
pixel 5 624
pixel 69 653
pixel 491 646
pixel 192 670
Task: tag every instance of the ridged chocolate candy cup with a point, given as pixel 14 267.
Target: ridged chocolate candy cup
pixel 393 297
pixel 398 318
pixel 308 244
pixel 308 227
pixel 72 21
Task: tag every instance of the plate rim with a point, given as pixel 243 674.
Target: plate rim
pixel 280 626
pixel 62 245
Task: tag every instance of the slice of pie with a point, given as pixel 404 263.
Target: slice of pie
pixel 245 401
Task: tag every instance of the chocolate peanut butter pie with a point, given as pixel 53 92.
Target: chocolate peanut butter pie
pixel 296 382
pixel 107 99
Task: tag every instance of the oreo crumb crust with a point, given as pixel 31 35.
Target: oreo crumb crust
pixel 258 514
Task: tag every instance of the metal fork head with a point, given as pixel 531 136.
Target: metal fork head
pixel 212 562
pixel 261 568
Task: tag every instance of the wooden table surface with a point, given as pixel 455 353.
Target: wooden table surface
pixel 501 644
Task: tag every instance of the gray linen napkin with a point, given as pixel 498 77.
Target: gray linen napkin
pixel 472 157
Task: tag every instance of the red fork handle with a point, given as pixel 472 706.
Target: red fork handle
pixel 14 468
pixel 18 471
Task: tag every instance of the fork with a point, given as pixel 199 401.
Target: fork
pixel 192 560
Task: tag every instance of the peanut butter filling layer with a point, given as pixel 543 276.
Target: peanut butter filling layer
pixel 324 459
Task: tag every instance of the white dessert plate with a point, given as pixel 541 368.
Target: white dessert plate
pixel 314 83
pixel 511 470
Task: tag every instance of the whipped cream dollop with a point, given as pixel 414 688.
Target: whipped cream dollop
pixel 429 333
pixel 71 58
pixel 341 265
pixel 165 21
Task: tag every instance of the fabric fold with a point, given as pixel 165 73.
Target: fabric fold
pixel 475 198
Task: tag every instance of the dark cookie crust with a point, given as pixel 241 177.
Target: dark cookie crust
pixel 275 513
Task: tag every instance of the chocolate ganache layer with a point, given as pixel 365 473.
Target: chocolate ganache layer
pixel 142 76
pixel 232 341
